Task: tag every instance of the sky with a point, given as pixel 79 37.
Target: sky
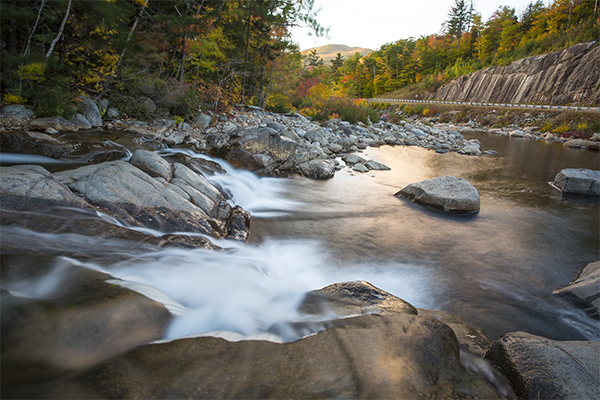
pixel 372 23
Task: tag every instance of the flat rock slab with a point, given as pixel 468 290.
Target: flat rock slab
pixel 371 356
pixel 578 181
pixel 541 368
pixel 31 187
pixel 447 193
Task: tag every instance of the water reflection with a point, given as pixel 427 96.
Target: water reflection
pixel 498 268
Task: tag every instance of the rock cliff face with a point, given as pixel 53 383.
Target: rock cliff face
pixel 567 76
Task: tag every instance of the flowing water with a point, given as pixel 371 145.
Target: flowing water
pixel 497 269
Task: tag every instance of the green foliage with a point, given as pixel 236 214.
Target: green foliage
pixel 344 108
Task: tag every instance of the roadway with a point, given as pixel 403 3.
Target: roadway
pixel 497 105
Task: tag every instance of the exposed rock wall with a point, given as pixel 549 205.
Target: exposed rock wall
pixel 567 76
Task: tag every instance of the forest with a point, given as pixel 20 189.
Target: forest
pixel 193 55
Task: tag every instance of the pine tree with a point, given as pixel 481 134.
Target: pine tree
pixel 460 17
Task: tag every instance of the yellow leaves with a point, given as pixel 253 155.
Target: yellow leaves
pixel 14 99
pixel 32 72
pixel 143 3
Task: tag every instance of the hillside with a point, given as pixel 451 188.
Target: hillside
pixel 561 77
pixel 329 52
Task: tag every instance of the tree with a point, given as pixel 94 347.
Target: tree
pixel 460 17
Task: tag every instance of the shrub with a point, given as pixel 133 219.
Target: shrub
pixel 14 99
pixel 562 129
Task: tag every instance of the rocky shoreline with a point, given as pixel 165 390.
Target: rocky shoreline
pixel 61 347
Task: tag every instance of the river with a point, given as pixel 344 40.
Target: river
pixel 497 268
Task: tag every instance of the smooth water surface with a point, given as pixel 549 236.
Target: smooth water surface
pixel 497 268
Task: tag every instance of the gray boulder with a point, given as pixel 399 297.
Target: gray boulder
pixel 290 134
pixel 370 356
pixel 316 169
pixel 584 292
pixel 377 166
pixel 58 123
pixel 90 111
pixel 354 298
pixel 263 140
pixel 317 135
pixel 541 368
pixel 360 167
pixel 187 203
pixel 202 121
pixel 103 107
pixel 15 115
pixel 152 164
pixel 578 181
pixel 445 192
pixel 472 150
pixel 112 113
pixel 32 188
pixel 353 159
pixel 146 105
pixel 81 122
pixel 30 142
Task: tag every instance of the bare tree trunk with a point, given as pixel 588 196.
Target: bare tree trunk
pixel 246 60
pixel 26 50
pixel 60 31
pixel 182 68
pixel 264 105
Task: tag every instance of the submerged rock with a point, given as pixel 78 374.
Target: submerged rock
pixel 541 368
pixel 82 322
pixel 445 192
pixel 578 181
pixel 584 292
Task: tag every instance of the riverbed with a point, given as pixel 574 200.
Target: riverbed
pixel 496 268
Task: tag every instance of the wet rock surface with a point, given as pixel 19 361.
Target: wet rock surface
pixel 541 368
pixel 77 325
pixel 578 181
pixel 355 358
pixel 584 291
pixel 447 193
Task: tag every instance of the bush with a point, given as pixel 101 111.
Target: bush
pixel 345 108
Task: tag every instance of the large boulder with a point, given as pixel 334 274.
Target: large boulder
pixel 264 140
pixel 29 142
pixel 316 169
pixel 58 123
pixel 584 291
pixel 354 298
pixel 370 356
pixel 186 202
pixel 578 181
pixel 32 188
pixel 445 192
pixel 81 323
pixel 541 368
pixel 90 111
pixel 15 115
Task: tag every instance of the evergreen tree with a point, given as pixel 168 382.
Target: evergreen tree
pixel 460 17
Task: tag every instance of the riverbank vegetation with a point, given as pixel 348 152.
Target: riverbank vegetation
pixel 192 55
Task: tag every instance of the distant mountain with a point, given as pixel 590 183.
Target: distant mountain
pixel 329 52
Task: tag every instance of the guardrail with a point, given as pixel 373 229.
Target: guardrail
pixel 505 105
